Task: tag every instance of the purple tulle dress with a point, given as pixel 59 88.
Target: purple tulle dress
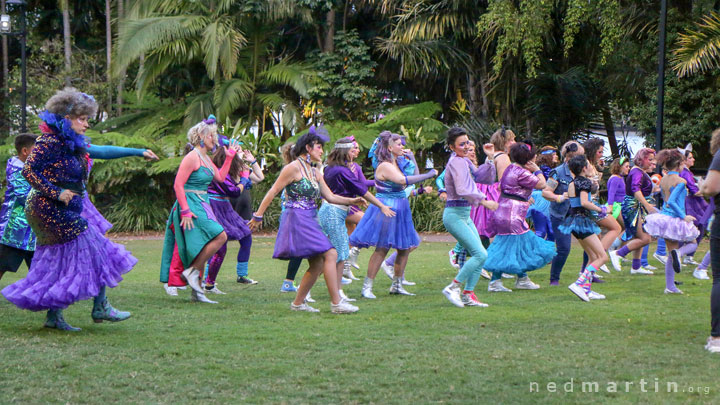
pixel 670 223
pixel 300 235
pixel 219 195
pixel 94 217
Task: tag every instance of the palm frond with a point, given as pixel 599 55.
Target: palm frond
pixel 230 94
pixel 698 50
pixel 424 57
pixel 295 75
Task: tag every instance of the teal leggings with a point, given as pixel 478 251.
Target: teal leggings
pixel 457 221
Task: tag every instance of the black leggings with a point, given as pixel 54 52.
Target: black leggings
pixel 715 265
pixel 293 267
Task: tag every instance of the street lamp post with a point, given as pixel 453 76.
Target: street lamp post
pixel 5 29
pixel 661 78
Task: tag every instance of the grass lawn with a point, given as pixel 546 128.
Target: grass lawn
pixel 251 348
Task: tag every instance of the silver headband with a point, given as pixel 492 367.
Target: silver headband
pixel 346 145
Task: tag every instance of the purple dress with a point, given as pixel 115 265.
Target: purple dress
pixel 694 205
pixel 516 250
pixel 219 196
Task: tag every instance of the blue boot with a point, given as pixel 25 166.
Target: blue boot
pixel 55 320
pixel 103 311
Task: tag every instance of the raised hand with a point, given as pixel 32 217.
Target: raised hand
pixel 150 155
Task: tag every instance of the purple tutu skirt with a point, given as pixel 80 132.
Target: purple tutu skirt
pixel 73 271
pixel 93 217
pixel 659 225
pixel 481 216
pixel 375 229
pixel 300 236
pixel 233 224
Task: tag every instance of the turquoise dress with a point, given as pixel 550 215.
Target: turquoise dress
pixel 205 226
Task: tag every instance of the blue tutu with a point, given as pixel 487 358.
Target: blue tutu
pixel 579 225
pixel 515 254
pixel 375 229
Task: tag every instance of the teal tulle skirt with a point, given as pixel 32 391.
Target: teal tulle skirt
pixel 515 254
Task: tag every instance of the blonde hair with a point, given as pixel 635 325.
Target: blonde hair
pixel 196 132
pixel 501 137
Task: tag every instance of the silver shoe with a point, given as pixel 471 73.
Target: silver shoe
pixel 497 286
pixel 366 291
pixel 303 307
pixel 525 284
pixel 595 296
pixel 308 298
pixel 214 290
pixel 388 270
pixel 405 282
pixel 343 307
pixel 352 259
pixel 452 293
pixel 397 288
pixel 200 297
pixel 504 275
pixel 344 297
pixel 347 272
pixel 172 291
pixel 192 276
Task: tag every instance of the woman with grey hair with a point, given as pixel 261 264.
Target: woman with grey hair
pixel 73 261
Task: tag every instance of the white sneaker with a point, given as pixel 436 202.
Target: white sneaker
pixel 171 290
pixel 641 271
pixel 397 288
pixel 200 297
pixel 192 276
pixel 525 284
pixel 615 260
pixel 214 290
pixel 700 274
pixel 347 272
pixel 309 299
pixel 182 288
pixel 579 291
pixel 650 267
pixel 713 345
pixel 676 291
pixel 352 258
pixel 470 300
pixel 497 286
pixel 345 297
pixel 366 291
pixel 343 307
pixel 406 282
pixel 388 270
pixel 604 268
pixel 661 259
pixel 507 275
pixel 452 293
pixel 484 274
pixel 345 281
pixel 595 296
pixel 303 307
pixel 452 256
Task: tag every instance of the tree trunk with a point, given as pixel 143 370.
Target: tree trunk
pixel 121 75
pixel 6 70
pixel 610 130
pixel 66 39
pixel 472 94
pixel 329 41
pixel 484 89
pixel 108 54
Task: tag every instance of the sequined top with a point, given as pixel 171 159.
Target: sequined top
pixel 388 189
pixel 638 180
pixel 301 194
pixel 581 184
pixel 516 185
pixel 14 228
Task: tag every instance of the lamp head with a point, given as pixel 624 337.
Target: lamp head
pixel 5 25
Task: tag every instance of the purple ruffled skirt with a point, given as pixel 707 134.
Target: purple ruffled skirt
pixel 233 224
pixel 664 226
pixel 93 217
pixel 73 271
pixel 299 235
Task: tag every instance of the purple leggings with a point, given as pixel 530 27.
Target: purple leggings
pixel 217 260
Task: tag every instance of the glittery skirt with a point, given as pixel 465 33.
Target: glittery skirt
pixel 515 254
pixel 659 225
pixel 234 225
pixel 332 222
pixel 375 229
pixel 94 217
pixel 53 222
pixel 65 273
pixel 300 235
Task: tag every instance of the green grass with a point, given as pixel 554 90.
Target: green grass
pixel 251 348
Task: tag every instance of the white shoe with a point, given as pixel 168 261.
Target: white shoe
pixel 598 275
pixel 405 282
pixel 604 268
pixel 650 267
pixel 595 296
pixel 525 284
pixel 507 276
pixel 343 308
pixel 303 307
pixel 366 291
pixel 182 288
pixel 497 286
pixel 690 260
pixel 171 290
pixel 200 297
pixel 192 276
pixel 452 256
pixel 388 270
pixel 214 290
pixel 345 281
pixel 470 300
pixel 579 291
pixel 309 299
pixel 352 258
pixel 641 270
pixel 661 259
pixel 676 291
pixel 700 274
pixel 345 297
pixel 713 345
pixel 452 293
pixel 397 288
pixel 484 274
pixel 347 272
pixel 615 260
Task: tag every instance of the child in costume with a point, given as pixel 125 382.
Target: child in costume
pixel 672 223
pixel 17 240
pixel 581 223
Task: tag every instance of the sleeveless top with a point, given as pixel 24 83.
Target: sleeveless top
pixel 302 193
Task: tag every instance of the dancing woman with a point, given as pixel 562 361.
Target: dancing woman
pixel 515 249
pixel 695 204
pixel 711 188
pixel 355 214
pixel 376 229
pixel 300 236
pixel 72 261
pixel 539 211
pixel 341 180
pixel 637 205
pixel 192 227
pixel 672 223
pixel 462 192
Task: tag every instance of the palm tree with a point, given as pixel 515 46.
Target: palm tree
pixel 232 39
pixel 699 49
